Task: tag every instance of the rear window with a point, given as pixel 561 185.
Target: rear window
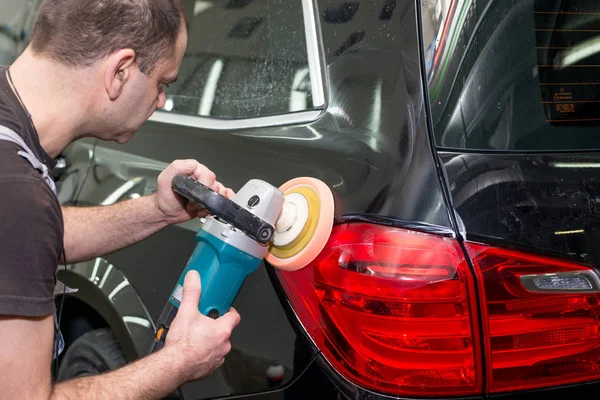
pixel 514 75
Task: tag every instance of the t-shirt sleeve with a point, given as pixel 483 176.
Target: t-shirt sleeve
pixel 30 247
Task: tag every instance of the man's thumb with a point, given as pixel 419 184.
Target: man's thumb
pixel 192 287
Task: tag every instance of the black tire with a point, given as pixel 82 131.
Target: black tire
pixel 92 353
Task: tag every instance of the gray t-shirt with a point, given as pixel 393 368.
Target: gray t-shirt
pixel 31 223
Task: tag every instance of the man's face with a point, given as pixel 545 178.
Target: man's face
pixel 143 94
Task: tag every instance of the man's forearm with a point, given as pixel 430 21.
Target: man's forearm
pixel 152 377
pixel 94 231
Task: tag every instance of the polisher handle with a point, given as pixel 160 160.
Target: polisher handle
pixel 223 208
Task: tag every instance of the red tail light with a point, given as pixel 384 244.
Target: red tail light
pixel 392 311
pixel 543 319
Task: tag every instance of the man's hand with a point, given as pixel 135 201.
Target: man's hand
pixel 127 222
pixel 175 209
pixel 203 341
pixel 196 346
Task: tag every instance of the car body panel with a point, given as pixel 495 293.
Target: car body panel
pixel 104 288
pixel 582 391
pixel 545 202
pixel 374 154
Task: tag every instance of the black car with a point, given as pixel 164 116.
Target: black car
pixel 460 138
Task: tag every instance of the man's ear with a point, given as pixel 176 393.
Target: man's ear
pixel 119 69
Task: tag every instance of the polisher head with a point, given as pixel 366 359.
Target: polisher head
pixel 304 225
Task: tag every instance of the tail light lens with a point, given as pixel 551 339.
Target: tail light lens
pixel 543 319
pixel 392 310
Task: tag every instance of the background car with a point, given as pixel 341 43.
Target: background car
pixel 460 139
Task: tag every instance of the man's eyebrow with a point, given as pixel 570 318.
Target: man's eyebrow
pixel 172 80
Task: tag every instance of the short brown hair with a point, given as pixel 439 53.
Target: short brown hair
pixel 79 32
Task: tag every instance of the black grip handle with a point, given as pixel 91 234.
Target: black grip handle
pixel 223 208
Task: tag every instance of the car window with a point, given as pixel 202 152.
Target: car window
pixel 245 59
pixel 513 75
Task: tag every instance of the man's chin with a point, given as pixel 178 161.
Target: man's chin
pixel 124 138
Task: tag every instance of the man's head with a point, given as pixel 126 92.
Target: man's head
pixel 131 49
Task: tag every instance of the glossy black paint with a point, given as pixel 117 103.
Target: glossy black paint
pixel 104 288
pixel 369 152
pixel 581 391
pixel 350 391
pixel 397 223
pixel 547 202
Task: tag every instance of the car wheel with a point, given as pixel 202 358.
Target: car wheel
pixel 92 353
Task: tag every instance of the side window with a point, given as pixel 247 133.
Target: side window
pixel 244 59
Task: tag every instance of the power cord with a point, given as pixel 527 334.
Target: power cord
pixel 87 173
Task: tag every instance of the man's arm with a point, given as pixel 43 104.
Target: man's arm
pixel 95 231
pixel 153 377
pixel 27 355
pixel 196 345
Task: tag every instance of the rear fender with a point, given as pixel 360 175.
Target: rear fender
pixel 103 287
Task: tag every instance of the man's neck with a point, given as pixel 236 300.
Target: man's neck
pixel 53 98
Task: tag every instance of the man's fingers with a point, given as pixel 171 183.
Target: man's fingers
pixel 229 193
pixel 190 168
pixel 231 319
pixel 223 191
pixel 192 288
pixel 185 167
pixel 177 167
pixel 204 175
pixel 217 187
pixel 200 173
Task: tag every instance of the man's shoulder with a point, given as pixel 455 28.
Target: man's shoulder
pixel 14 168
pixel 25 195
pixel 31 239
pixel 26 192
pixel 21 181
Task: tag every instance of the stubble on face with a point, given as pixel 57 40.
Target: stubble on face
pixel 148 91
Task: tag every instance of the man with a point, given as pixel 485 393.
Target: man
pixel 94 68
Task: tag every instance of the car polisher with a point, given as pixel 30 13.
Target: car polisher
pixel 287 226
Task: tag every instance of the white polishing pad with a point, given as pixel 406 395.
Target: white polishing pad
pixel 294 215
